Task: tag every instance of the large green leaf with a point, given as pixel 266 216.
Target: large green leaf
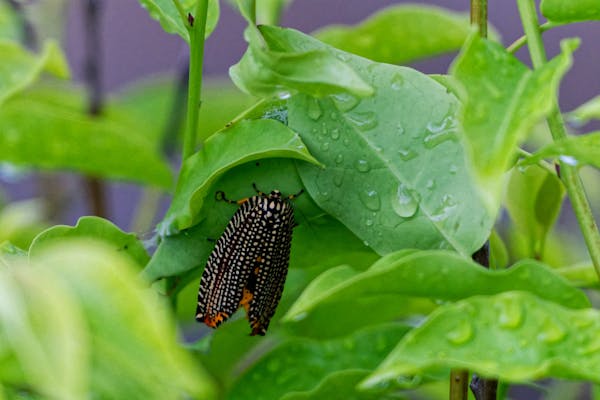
pixel 271 66
pixel 575 150
pixel 504 101
pixel 301 364
pixel 382 292
pixel 395 172
pixel 19 68
pixel 165 12
pixel 514 336
pixel 242 142
pixel 44 132
pixel 93 228
pixel 570 11
pixel 401 34
pixel 588 111
pixel 533 200
pixel 76 323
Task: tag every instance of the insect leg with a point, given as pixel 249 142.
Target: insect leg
pixel 220 196
pixel 293 196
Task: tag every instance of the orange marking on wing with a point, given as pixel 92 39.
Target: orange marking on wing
pixel 214 321
pixel 246 299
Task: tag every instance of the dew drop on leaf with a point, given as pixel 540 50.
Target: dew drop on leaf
pixel 569 160
pixel 446 207
pixel 551 331
pixel 344 101
pixel 370 199
pixel 430 184
pixel 397 82
pixel 399 128
pixel 314 109
pixel 339 158
pixel 338 178
pixel 510 312
pixel 365 121
pixel 404 204
pixel 363 166
pixel 325 146
pixel 461 333
pixel 335 134
pixel 407 154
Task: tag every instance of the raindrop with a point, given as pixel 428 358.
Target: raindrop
pixel 299 317
pixel 397 81
pixel 314 109
pixel 569 160
pixel 363 166
pixel 447 205
pixel 407 154
pixel 430 184
pixel 370 199
pixel 346 142
pixel 365 121
pixel 439 133
pixel 510 312
pixel 551 331
pixel 453 169
pixel 369 222
pixel 405 204
pixel 338 178
pixel 344 101
pixel 284 95
pixel 325 146
pixel 461 334
pixel 333 116
pixel 400 128
pixel 335 134
pixel 343 57
pixel 339 158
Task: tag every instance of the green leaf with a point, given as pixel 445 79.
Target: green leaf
pixel 10 27
pixel 575 150
pixel 504 101
pixel 19 68
pixel 165 12
pixel 534 198
pixel 514 336
pixel 49 134
pixel 268 12
pixel 242 142
pixel 21 221
pixel 79 324
pixel 588 111
pixel 401 34
pixel 9 252
pixel 95 228
pixel 360 298
pixel 278 63
pixel 580 275
pixel 395 172
pixel 301 364
pixel 570 11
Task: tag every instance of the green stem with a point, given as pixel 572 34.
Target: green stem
pixel 520 42
pixel 459 384
pixel 196 29
pixel 569 174
pixel 479 16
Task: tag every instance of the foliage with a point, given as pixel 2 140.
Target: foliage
pixel 405 176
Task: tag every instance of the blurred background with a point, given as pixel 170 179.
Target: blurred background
pixel 134 49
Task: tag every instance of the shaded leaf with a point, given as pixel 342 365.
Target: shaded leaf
pixel 165 12
pixel 19 68
pixel 10 28
pixel 504 101
pixel 575 150
pixel 21 221
pixel 361 298
pixel 401 34
pixel 273 65
pixel 393 160
pixel 242 142
pixel 78 324
pixel 590 110
pixel 95 228
pixel 581 274
pixel 533 200
pixel 514 336
pixel 9 252
pixel 570 11
pixel 301 364
pixel 49 134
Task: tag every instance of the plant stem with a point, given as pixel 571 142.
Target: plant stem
pixel 459 383
pixel 196 29
pixel 479 16
pixel 95 187
pixel 520 42
pixel 569 174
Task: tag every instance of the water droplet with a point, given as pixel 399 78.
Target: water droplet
pixel 407 154
pixel 569 160
pixel 370 199
pixel 453 169
pixel 397 82
pixel 284 95
pixel 430 184
pixel 440 132
pixel 333 115
pixel 325 146
pixel 335 134
pixel 363 166
pixel 338 177
pixel 314 109
pixel 405 204
pixel 365 121
pixel 399 128
pixel 510 312
pixel 551 331
pixel 461 333
pixel 299 317
pixel 314 131
pixel 344 101
pixel 343 56
pixel 339 158
pixel 369 222
pixel 346 142
pixel 446 207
